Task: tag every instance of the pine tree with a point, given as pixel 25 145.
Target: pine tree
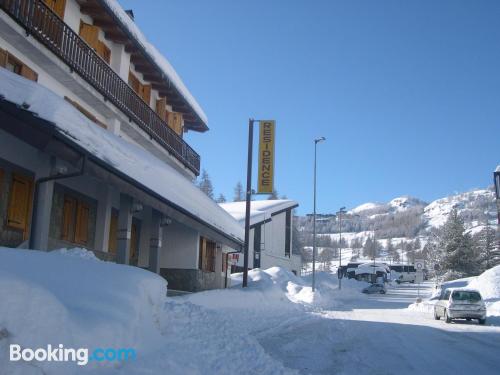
pixel 239 194
pixel 459 256
pixel 487 249
pixel 205 184
pixel 390 248
pixel 221 198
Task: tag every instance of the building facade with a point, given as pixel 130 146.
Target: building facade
pixel 271 237
pixel 92 147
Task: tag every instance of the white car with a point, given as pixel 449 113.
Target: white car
pixel 407 277
pixel 460 304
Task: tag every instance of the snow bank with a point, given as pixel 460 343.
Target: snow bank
pixel 68 297
pixel 488 284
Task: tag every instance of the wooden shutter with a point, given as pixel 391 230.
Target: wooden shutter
pixel 113 231
pixel 161 108
pixel 201 254
pixel 68 222
pixel 57 6
pixel 175 122
pixel 90 34
pixel 82 223
pixel 146 93
pixel 3 58
pixel 133 81
pixel 103 51
pixel 29 73
pixel 19 202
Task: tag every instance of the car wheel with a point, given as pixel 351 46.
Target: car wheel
pixel 447 317
pixel 436 316
pixel 482 321
pixel 468 319
pixel 382 292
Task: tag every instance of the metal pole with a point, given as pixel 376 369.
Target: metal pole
pixel 340 248
pixel 248 200
pixel 314 223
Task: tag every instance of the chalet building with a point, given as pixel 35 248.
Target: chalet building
pixel 92 148
pixel 270 233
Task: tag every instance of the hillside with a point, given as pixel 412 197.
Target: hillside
pixel 406 221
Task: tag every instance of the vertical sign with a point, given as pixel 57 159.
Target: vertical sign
pixel 266 157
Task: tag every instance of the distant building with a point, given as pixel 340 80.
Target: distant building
pixel 270 233
pixel 92 148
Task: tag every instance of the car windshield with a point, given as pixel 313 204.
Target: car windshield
pixel 466 296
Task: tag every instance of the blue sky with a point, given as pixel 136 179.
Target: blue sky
pixel 407 93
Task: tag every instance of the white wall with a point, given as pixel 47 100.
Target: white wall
pixel 180 247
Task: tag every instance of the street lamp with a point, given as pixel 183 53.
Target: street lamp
pixel 316 141
pixel 496 176
pixel 339 215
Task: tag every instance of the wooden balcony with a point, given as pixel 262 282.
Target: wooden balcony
pixel 43 24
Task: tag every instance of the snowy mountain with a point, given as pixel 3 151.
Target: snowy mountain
pixel 405 219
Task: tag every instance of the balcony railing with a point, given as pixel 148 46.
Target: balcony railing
pixel 41 22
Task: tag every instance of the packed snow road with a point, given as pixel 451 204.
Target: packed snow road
pixel 377 334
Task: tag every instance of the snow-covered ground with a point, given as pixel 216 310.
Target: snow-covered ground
pixel 275 326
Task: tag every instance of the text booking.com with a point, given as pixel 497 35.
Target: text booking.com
pixel 82 356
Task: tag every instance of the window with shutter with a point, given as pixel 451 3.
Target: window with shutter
pixel 12 63
pixel 207 255
pixel 161 108
pixel 82 223
pixel 90 34
pixel 68 220
pixel 113 230
pixel 19 202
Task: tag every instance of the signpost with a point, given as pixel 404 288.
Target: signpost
pixel 419 266
pixel 266 176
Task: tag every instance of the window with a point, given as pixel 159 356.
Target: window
pixel 20 203
pixel 12 63
pixel 90 34
pixel 207 255
pixel 288 232
pixel 57 6
pixel 75 221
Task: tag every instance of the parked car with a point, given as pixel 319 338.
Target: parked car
pixel 375 288
pixel 460 304
pixel 407 277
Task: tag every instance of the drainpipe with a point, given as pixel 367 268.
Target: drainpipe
pixel 42 180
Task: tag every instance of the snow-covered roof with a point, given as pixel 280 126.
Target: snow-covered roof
pixel 155 55
pixel 131 160
pixel 259 210
pixel 498 168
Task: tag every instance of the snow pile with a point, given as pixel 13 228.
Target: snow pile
pixel 488 284
pixel 69 298
pixel 77 252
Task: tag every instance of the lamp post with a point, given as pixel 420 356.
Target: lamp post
pixel 339 215
pixel 496 177
pixel 316 141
